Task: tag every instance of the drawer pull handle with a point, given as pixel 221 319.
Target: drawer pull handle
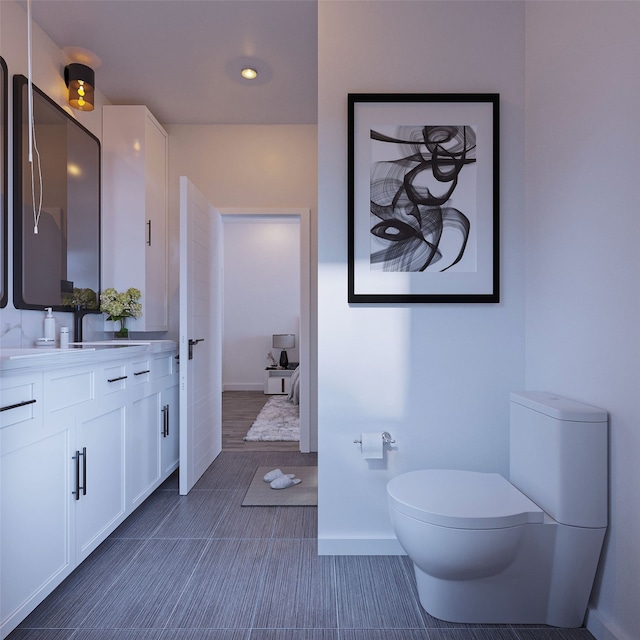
pixel 117 379
pixel 19 404
pixel 141 373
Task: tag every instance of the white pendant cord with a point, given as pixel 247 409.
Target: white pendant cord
pixel 32 133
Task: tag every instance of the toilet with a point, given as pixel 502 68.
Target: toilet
pixel 487 550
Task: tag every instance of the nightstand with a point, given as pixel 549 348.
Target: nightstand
pixel 277 381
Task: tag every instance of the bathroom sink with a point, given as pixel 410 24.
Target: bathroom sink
pixel 114 343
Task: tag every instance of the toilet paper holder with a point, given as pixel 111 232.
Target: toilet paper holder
pixel 386 438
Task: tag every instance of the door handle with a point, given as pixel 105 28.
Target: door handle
pixel 191 343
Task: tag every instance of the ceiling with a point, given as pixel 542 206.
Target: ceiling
pixel 182 58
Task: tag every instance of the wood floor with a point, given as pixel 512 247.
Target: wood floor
pixel 239 410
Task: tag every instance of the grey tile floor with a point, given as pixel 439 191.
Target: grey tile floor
pixel 202 567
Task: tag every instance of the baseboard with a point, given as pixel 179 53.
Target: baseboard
pixel 359 547
pixel 243 386
pixel 602 629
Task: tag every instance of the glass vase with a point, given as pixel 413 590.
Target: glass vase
pixel 122 333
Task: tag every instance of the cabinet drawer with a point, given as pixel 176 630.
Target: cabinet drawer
pixel 163 365
pixel 21 400
pixel 68 388
pixel 140 371
pixel 113 378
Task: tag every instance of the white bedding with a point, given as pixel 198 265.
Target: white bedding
pixel 294 391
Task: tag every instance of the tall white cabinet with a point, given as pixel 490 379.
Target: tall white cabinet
pixel 135 210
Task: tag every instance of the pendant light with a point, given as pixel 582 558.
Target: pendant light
pixel 80 80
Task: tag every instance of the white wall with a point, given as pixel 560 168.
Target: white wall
pixel 440 373
pixel 436 376
pixel 22 327
pixel 261 295
pixel 583 262
pixel 253 166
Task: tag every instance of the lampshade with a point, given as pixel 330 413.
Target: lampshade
pixel 284 340
pixel 81 82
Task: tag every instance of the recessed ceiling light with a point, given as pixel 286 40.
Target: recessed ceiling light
pixel 249 73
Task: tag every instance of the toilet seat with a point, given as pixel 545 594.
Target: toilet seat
pixel 462 499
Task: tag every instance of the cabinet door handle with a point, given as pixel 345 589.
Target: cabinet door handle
pixel 18 404
pixel 116 379
pixel 149 232
pixel 84 471
pixel 165 421
pixel 82 487
pixel 282 381
pixel 76 492
pixel 141 373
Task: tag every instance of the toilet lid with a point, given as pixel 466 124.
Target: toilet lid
pixel 461 499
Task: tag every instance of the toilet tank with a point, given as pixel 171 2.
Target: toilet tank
pixel 558 456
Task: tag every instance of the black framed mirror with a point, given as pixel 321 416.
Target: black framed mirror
pixel 4 156
pixel 56 214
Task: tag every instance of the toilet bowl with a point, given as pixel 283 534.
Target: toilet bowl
pixel 473 521
pixel 483 551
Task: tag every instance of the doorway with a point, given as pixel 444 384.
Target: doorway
pixel 255 348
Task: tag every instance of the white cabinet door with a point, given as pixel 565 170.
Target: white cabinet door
pixel 36 553
pixel 170 429
pixel 143 448
pixel 100 503
pixel 156 264
pixel 135 201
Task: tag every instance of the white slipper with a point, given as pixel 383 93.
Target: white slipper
pixel 284 482
pixel 276 473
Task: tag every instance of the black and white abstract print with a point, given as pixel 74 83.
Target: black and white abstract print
pixel 423 194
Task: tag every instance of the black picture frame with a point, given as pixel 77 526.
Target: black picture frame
pixel 423 198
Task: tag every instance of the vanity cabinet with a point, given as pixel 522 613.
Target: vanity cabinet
pixel 135 202
pixel 81 448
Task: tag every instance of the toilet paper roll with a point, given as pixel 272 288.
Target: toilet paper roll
pixel 372 445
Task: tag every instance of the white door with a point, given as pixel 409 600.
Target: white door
pixel 200 335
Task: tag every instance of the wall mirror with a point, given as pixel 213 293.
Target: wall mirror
pixel 59 265
pixel 4 155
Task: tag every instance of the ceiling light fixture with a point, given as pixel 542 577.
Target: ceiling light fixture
pixel 249 73
pixel 81 82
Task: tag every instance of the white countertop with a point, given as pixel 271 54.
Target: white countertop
pixel 33 358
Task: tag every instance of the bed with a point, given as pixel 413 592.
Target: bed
pixel 294 391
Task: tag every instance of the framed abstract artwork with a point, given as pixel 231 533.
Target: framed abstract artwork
pixel 423 210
